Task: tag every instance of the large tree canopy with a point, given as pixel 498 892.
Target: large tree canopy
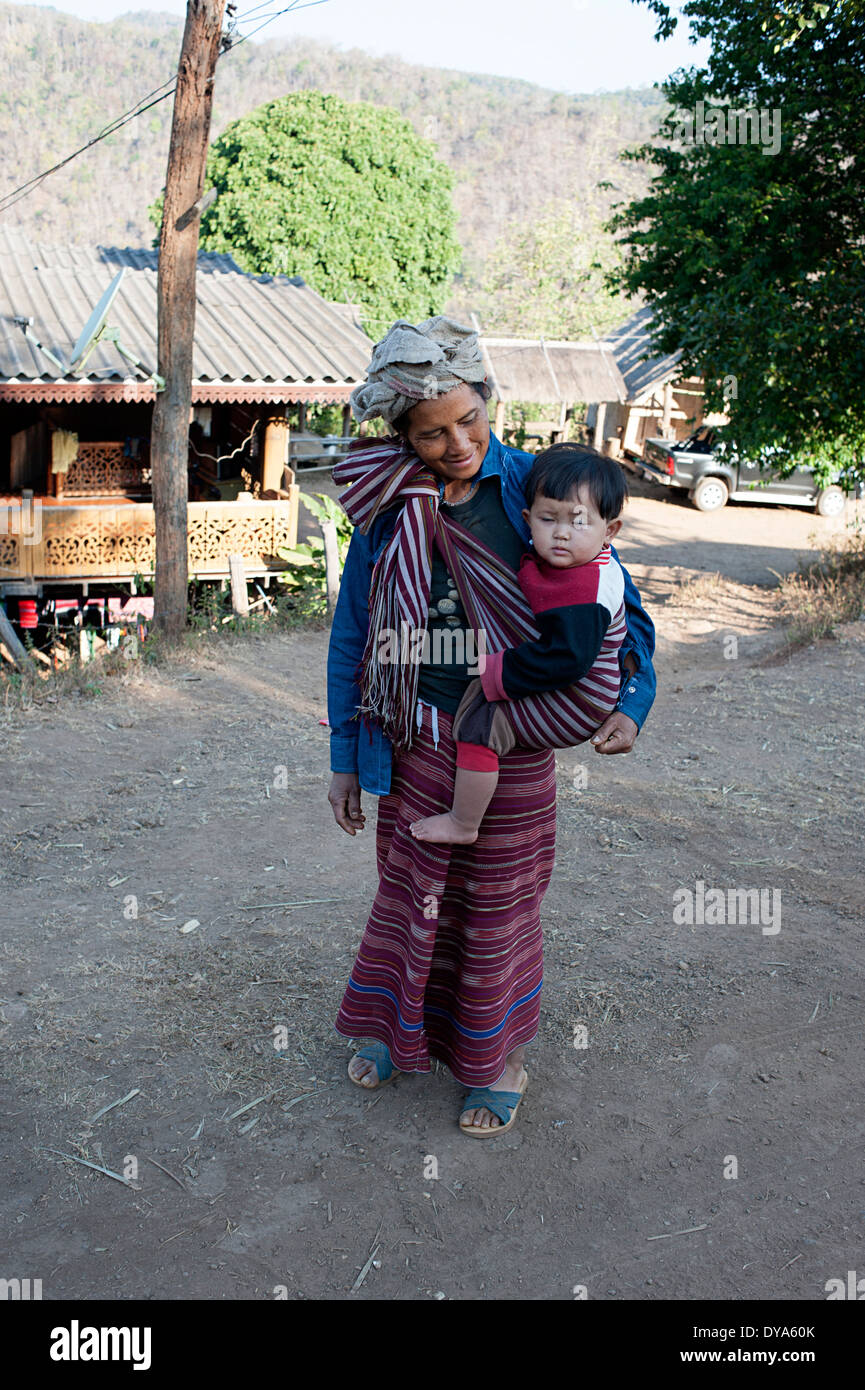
pixel 750 246
pixel 344 194
pixel 789 19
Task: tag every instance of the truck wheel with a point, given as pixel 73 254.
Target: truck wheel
pixel 710 494
pixel 831 502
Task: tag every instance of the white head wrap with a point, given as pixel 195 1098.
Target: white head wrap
pixel 417 363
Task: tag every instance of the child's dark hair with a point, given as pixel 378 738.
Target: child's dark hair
pixel 561 469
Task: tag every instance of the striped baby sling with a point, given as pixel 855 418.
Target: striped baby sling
pixel 386 473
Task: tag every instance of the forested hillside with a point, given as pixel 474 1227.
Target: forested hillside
pixel 519 152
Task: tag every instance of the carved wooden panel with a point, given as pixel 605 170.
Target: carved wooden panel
pixel 118 540
pixel 9 544
pixel 101 470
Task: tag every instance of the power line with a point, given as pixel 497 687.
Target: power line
pixel 8 200
pixel 307 5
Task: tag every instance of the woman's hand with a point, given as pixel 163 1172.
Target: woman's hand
pixel 344 797
pixel 618 731
pixel 616 734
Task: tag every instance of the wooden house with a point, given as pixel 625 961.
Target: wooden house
pixel 560 374
pixel 658 400
pixel 75 503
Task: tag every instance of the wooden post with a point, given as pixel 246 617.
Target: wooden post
pixel 275 453
pixel 667 420
pixel 331 562
pixel 598 440
pixel 500 419
pixel 346 421
pixel 630 442
pixel 178 252
pixel 31 529
pixel 239 592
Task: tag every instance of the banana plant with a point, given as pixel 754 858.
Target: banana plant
pixel 308 556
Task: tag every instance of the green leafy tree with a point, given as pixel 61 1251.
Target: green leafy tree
pixel 788 21
pixel 344 194
pixel 546 277
pixel 752 254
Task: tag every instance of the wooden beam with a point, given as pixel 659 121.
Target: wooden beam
pixel 178 252
pixel 17 651
pixel 667 418
pixel 632 430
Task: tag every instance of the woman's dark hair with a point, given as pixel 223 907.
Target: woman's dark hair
pixel 400 424
pixel 561 469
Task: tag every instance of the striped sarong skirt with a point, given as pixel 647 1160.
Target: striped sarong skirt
pixel 451 960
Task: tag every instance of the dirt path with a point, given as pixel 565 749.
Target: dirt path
pixel 198 793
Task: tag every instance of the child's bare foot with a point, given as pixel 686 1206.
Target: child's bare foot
pixel 444 830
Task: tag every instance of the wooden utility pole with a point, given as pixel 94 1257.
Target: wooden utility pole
pixel 178 252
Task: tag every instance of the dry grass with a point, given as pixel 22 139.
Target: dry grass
pixel 701 589
pixel 218 1004
pixel 20 690
pixel 829 592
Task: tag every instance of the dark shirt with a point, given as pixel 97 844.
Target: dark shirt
pixel 442 681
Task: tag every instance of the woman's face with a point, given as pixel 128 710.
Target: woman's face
pixel 451 434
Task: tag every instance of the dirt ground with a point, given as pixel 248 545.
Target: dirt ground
pixel 196 793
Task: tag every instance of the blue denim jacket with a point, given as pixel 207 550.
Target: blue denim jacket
pixel 355 747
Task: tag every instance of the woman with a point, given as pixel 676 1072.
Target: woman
pixel 450 964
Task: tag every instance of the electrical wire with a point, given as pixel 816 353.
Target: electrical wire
pixel 221 458
pixel 268 19
pixel 8 200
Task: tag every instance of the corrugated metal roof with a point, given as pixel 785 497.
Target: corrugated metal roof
pixel 249 328
pixel 525 369
pixel 630 343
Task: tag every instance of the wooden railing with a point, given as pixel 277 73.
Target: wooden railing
pixel 117 540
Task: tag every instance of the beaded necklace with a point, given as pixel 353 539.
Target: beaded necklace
pixel 471 492
pixel 449 607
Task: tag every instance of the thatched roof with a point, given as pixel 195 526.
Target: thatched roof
pixel 551 372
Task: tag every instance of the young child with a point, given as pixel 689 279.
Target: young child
pixel 575 588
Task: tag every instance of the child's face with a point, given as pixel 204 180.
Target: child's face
pixel 571 532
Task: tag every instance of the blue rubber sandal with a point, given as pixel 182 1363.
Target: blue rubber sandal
pixel 380 1055
pixel 503 1104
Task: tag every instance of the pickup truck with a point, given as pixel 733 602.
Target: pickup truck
pixel 711 480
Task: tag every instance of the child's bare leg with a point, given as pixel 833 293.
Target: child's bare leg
pixel 473 792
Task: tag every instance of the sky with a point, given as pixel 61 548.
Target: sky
pixel 569 45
